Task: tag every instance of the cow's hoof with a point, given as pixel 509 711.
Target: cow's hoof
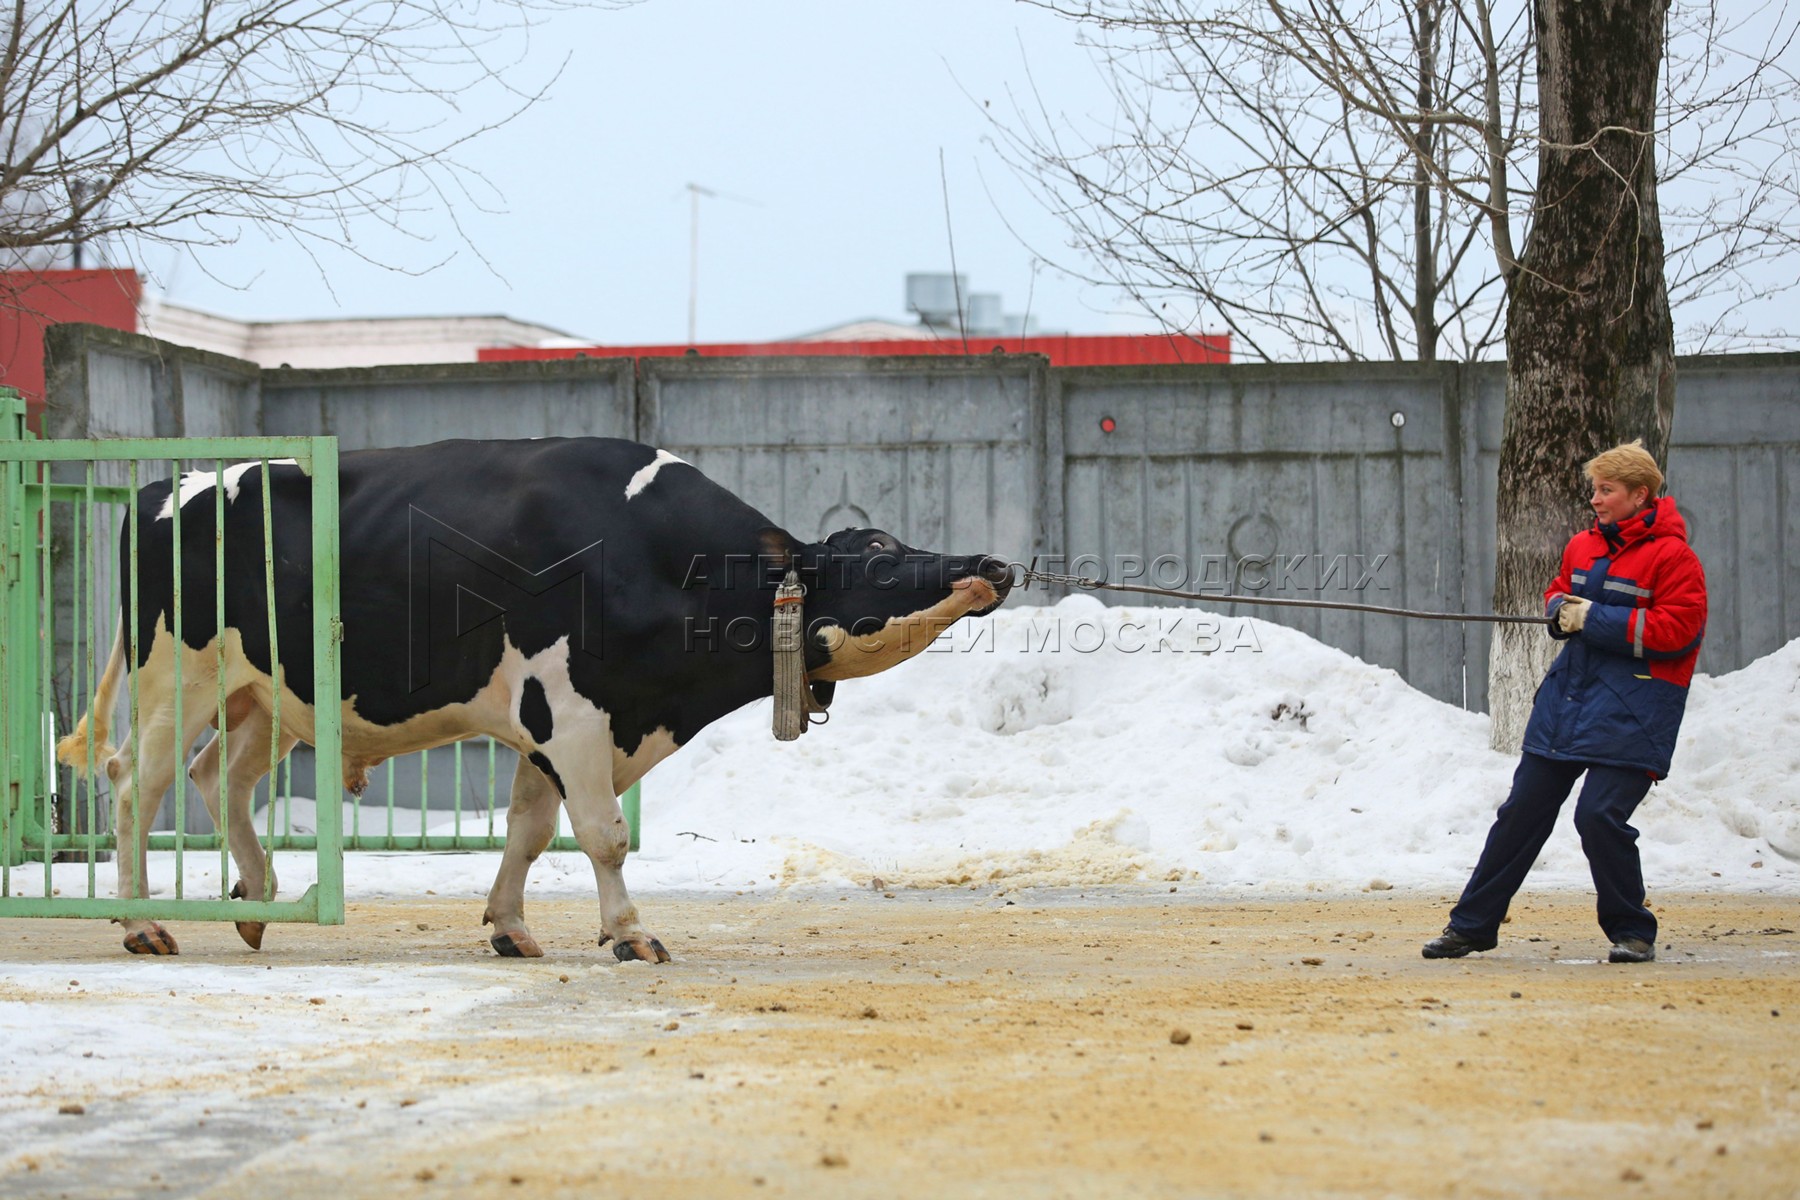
pixel 519 945
pixel 155 940
pixel 250 931
pixel 644 949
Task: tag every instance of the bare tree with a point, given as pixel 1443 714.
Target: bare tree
pixel 134 123
pixel 1728 173
pixel 1352 178
pixel 1347 179
pixel 1327 180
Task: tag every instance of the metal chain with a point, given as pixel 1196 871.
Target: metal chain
pixel 1029 574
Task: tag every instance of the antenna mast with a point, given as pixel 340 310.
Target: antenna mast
pixel 695 191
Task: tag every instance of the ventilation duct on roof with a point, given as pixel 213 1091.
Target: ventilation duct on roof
pixel 936 297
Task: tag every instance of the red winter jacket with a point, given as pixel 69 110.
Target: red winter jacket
pixel 1617 692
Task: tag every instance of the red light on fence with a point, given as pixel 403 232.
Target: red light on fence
pixel 1107 424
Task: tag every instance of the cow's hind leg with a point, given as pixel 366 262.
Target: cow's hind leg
pixel 248 728
pixel 530 825
pixel 142 770
pixel 605 838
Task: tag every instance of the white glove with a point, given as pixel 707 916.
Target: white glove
pixel 1572 615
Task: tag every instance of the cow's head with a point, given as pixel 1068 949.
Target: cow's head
pixel 872 602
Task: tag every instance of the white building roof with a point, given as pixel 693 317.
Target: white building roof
pixel 337 341
pixel 870 329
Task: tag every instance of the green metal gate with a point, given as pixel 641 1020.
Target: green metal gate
pixel 59 501
pixel 63 504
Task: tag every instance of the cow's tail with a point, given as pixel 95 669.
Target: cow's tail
pixel 72 751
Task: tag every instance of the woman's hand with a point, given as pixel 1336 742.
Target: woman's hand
pixel 1571 615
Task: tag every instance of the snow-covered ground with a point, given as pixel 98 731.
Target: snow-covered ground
pixel 1227 753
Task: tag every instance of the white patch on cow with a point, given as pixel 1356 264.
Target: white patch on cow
pixel 657 745
pixel 195 482
pixel 646 473
pixel 580 746
pixel 572 715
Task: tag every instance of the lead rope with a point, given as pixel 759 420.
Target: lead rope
pixel 794 702
pixel 1028 574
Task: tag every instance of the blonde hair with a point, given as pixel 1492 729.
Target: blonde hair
pixel 1630 464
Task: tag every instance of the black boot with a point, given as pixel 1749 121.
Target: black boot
pixel 1451 944
pixel 1632 950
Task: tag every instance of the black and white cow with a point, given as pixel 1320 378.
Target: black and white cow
pixel 591 603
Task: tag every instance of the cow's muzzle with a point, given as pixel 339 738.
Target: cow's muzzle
pixel 991 579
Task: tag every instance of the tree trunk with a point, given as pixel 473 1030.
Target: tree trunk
pixel 1590 344
pixel 1425 274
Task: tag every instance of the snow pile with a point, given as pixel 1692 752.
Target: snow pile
pixel 1739 755
pixel 1177 744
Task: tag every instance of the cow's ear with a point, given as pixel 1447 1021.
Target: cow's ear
pixel 778 548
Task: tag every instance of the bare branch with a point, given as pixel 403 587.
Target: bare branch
pixel 1276 166
pixel 128 124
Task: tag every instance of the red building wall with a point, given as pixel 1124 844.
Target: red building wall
pixel 1064 350
pixel 31 301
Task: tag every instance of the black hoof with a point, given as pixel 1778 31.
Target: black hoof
pixel 508 946
pixel 156 942
pixel 652 952
pixel 237 890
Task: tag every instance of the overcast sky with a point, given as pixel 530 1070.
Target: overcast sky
pixel 826 117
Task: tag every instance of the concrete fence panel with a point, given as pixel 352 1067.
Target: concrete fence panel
pixel 1734 467
pixel 943 453
pixel 367 407
pixel 1296 482
pixel 104 383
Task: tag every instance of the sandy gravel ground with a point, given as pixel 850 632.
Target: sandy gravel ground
pixel 1120 1042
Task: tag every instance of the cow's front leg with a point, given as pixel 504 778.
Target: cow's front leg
pixel 530 824
pixel 604 836
pixel 249 727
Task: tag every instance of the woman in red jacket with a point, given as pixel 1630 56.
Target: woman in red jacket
pixel 1630 601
